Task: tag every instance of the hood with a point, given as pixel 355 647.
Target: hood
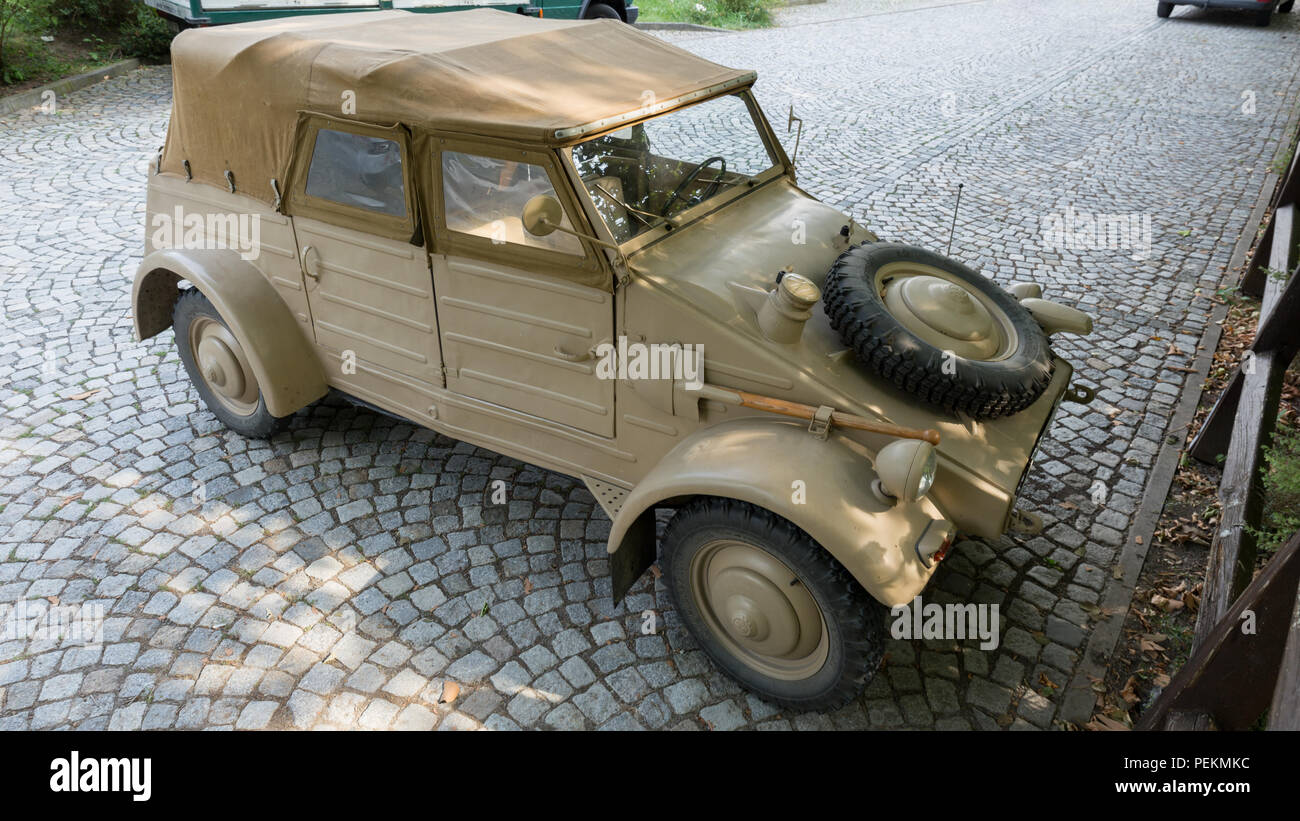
pixel 704 267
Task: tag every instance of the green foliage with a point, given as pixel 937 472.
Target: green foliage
pixel 92 14
pixel 105 30
pixel 732 14
pixel 13 15
pixel 1281 489
pixel 147 36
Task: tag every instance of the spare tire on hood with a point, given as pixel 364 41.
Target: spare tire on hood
pixel 938 329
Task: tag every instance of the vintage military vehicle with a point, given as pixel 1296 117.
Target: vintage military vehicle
pixel 574 244
pixel 186 13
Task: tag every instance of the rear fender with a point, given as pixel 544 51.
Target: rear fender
pixel 284 362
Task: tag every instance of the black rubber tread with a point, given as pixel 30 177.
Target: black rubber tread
pixel 1163 9
pixel 258 425
pixel 981 390
pixel 602 11
pixel 855 621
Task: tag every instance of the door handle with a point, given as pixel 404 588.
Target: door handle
pixel 310 262
pixel 574 357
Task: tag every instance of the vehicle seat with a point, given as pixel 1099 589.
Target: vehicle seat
pixel 615 215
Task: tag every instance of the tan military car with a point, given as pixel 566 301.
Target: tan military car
pixel 574 244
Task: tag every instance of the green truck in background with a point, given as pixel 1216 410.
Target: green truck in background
pixel 191 13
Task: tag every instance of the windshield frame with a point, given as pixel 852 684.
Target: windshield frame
pixel 781 167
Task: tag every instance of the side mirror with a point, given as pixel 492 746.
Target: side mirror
pixel 542 215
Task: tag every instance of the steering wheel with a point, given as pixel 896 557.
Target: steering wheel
pixel 690 178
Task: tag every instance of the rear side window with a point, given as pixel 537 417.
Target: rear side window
pixel 485 197
pixel 357 171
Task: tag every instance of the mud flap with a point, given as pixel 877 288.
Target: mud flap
pixel 634 555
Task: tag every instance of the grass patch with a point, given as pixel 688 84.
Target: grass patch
pixel 727 14
pixel 1281 487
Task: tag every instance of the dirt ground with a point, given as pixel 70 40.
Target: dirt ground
pixel 71 53
pixel 1158 628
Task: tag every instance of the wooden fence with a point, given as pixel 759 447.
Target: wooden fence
pixel 1246 651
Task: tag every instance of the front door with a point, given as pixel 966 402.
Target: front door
pixel 368 285
pixel 520 315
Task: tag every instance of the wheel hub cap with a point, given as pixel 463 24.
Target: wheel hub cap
pixel 945 314
pixel 220 368
pixel 758 607
pixel 223 367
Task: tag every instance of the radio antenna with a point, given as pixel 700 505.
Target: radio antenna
pixel 953 229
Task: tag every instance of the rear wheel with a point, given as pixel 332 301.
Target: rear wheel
pixel 598 11
pixel 1163 9
pixel 1286 7
pixel 220 368
pixel 770 606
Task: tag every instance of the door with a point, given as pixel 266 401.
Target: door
pixel 368 285
pixel 520 315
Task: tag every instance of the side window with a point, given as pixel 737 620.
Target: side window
pixel 357 171
pixel 485 197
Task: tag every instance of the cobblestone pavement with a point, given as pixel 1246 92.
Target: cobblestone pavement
pixel 345 573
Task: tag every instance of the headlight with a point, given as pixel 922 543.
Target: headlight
pixel 906 468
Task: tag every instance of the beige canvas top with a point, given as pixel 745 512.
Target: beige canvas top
pixel 237 89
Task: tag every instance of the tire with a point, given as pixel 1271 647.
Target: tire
pixel 1263 18
pixel 599 11
pixel 983 386
pixel 195 320
pixel 1286 7
pixel 704 540
pixel 1163 9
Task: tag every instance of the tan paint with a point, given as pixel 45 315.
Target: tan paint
pixel 283 361
pixel 491 342
pixel 874 541
pixel 684 290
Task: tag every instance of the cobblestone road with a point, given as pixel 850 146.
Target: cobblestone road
pixel 346 572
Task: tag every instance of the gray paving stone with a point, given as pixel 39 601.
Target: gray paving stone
pixel 356 548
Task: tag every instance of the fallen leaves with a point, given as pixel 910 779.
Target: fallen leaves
pixel 1129 695
pixel 1172 599
pixel 1107 724
pixel 1152 642
pixel 450 692
pixel 1166 604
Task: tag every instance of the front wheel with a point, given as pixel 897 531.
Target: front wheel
pixel 770 606
pixel 1163 9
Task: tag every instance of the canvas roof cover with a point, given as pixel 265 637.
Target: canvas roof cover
pixel 237 89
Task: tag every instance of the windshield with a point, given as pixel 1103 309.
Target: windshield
pixel 643 175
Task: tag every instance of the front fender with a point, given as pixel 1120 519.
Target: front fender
pixel 763 461
pixel 287 368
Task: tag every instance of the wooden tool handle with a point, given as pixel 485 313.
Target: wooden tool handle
pixel 844 420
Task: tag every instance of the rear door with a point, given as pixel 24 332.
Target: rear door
pixel 367 275
pixel 520 315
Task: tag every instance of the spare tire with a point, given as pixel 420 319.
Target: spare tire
pixel 938 329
